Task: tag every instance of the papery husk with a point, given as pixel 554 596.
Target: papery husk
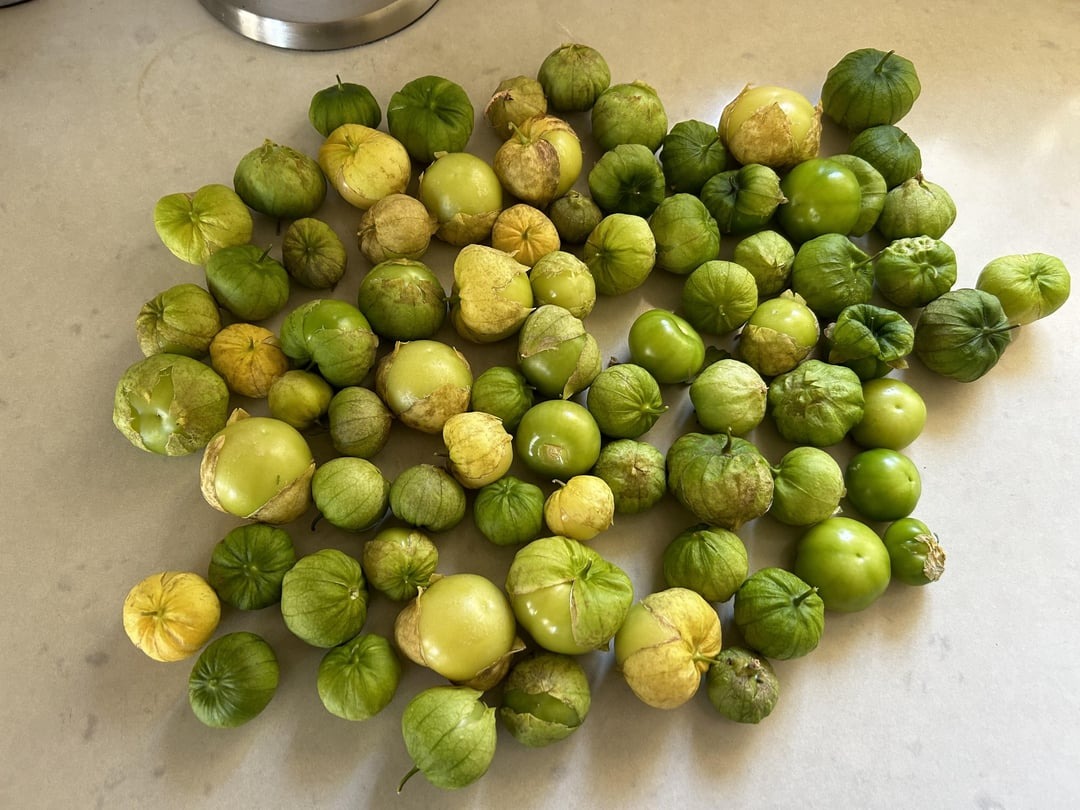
pixel 429 414
pixel 490 676
pixel 478 310
pixel 526 233
pixel 407 632
pixel 580 509
pixel 668 674
pixel 397 226
pixel 249 358
pixel 171 615
pixel 364 164
pixel 514 101
pixel 466 229
pixel 480 449
pixel 528 169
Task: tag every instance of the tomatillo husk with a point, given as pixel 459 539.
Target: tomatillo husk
pixel 629 113
pixel 729 396
pixel 510 511
pixel 171 615
pixel 744 199
pixel 890 150
pixel 581 508
pixel 1029 286
pixel 666 644
pixel 332 335
pixel 248 565
pixel 424 383
pixel 313 254
pixel 350 493
pixel 869 87
pixel 620 253
pixel 723 480
pixel 343 103
pixel 181 320
pixel 686 234
pixel 708 560
pixel 718 297
pixel 831 272
pixel 280 181
pixel 546 698
pixel 574 215
pixel 528 168
pixel 398 226
pixel 816 403
pixel 770 125
pixel 285 467
pixel 634 471
pixel 324 598
pixel 503 392
pixel 573 579
pixel 248 281
pixel 462 627
pixel 625 400
pixel 868 334
pixel 514 100
pixel 779 614
pixel 364 165
pixel 491 295
pixel 525 232
pixel 430 115
pixel 808 486
pixel 170 404
pixel 427 497
pixel 771 351
pixel 555 353
pixel 573 76
pixel 359 422
pixel 768 257
pixel 912 271
pixel 358 679
pixel 402 299
pixel 690 154
pixel 916 207
pixel 249 358
pixel 962 334
pixel 742 686
pixel 627 179
pixel 563 279
pixel 193 226
pixel 399 561
pixel 479 448
pixel 450 735
pixel 233 680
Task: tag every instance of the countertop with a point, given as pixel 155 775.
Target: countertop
pixel 960 694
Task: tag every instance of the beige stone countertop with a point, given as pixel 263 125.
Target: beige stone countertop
pixel 963 694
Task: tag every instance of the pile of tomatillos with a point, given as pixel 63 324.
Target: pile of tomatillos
pixel 817 325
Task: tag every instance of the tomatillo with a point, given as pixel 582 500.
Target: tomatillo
pixel 822 197
pixel 666 345
pixel 883 484
pixel 558 438
pixel 846 561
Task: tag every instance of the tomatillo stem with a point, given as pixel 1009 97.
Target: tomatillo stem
pixel 415 770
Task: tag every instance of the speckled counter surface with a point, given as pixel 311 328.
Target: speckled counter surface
pixel 962 694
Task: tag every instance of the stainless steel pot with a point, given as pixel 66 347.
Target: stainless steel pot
pixel 317 25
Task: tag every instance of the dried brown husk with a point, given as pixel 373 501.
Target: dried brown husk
pixel 397 226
